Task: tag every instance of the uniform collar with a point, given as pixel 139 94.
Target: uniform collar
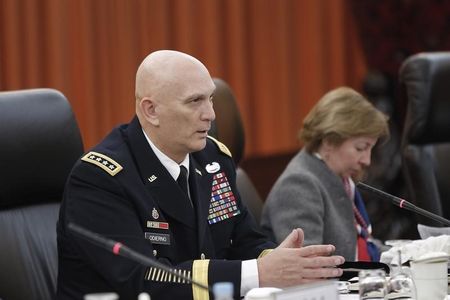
pixel 172 167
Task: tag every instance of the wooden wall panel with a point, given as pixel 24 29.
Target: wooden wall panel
pixel 279 56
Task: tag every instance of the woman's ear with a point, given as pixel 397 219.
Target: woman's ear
pixel 148 108
pixel 327 146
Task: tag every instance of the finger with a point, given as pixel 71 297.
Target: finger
pixel 310 280
pixel 317 250
pixel 301 237
pixel 322 261
pixel 293 240
pixel 320 273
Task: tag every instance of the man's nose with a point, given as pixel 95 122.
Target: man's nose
pixel 208 113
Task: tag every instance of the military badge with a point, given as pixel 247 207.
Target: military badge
pixel 104 162
pixel 212 167
pixel 155 214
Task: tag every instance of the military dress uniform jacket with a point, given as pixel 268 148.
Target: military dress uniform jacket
pixel 121 191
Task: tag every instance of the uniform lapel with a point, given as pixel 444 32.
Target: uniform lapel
pixel 200 183
pixel 163 189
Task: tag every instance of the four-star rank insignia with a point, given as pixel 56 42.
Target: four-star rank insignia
pixel 100 160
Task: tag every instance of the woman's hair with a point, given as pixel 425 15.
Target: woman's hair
pixel 340 114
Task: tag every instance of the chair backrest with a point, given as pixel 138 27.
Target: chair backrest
pixel 425 82
pixel 228 124
pixel 229 129
pixel 249 194
pixel 40 141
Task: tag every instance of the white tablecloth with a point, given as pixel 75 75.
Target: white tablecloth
pixel 356 297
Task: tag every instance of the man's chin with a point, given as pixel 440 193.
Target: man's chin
pixel 199 145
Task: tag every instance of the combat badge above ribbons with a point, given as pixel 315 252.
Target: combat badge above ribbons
pixel 212 167
pixel 100 160
pixel 223 203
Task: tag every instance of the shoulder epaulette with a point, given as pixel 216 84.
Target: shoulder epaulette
pixel 224 149
pixel 100 160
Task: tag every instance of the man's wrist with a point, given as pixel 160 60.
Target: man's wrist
pixel 249 276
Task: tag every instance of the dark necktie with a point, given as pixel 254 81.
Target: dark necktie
pixel 182 180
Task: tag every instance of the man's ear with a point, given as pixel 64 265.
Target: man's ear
pixel 148 108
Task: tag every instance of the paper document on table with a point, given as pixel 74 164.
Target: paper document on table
pixel 320 290
pixel 427 231
pixel 349 297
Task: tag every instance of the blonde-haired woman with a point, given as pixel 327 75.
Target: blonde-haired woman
pixel 317 191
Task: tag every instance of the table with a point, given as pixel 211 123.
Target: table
pixel 356 297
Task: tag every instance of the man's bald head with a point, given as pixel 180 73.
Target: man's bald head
pixel 162 69
pixel 174 105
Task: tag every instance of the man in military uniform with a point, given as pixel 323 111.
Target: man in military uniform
pixel 162 187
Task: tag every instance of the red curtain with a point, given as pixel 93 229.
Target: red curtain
pixel 279 56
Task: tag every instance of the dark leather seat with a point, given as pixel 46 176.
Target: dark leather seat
pixel 228 128
pixel 385 171
pixel 40 141
pixel 425 81
pixel 228 125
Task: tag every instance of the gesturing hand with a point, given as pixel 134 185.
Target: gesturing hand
pixel 291 264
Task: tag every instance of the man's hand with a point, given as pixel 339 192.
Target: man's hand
pixel 293 240
pixel 291 264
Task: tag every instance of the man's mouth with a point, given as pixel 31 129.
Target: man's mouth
pixel 203 132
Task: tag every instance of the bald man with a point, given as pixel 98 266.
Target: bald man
pixel 161 186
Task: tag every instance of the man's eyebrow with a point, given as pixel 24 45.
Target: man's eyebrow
pixel 198 95
pixel 193 96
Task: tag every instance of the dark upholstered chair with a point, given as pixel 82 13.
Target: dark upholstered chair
pixel 228 128
pixel 228 123
pixel 385 171
pixel 425 82
pixel 40 141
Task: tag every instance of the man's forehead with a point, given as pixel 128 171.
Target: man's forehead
pixel 199 90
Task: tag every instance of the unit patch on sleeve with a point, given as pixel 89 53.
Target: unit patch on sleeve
pixel 223 203
pixel 106 163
